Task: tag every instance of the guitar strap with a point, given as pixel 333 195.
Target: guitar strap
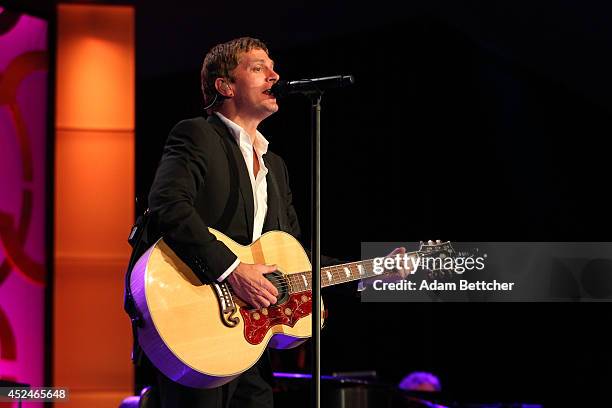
pixel 139 243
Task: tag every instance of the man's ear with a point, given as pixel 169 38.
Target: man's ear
pixel 223 87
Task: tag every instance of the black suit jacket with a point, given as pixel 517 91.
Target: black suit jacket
pixel 202 181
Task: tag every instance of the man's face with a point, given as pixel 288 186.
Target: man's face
pixel 253 78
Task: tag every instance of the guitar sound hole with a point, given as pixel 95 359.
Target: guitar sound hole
pixel 280 282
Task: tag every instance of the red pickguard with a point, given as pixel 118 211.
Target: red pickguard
pixel 257 323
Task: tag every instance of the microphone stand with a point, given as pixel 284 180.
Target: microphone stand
pixel 315 246
pixel 313 90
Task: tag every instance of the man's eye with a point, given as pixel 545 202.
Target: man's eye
pixel 257 69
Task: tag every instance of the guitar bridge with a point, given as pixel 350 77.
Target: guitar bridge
pixel 226 305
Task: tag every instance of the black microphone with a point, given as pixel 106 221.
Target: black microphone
pixel 311 86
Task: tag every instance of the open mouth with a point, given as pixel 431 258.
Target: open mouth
pixel 268 92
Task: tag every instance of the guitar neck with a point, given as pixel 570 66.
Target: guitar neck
pixel 337 274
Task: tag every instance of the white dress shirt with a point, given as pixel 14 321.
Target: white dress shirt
pixel 258 184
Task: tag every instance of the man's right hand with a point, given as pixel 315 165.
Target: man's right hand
pixel 250 284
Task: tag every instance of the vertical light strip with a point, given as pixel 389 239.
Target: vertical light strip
pixel 94 190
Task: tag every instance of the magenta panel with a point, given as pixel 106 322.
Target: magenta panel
pixel 23 142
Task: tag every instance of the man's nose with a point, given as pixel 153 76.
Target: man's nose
pixel 274 77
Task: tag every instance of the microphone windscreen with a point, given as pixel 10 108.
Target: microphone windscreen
pixel 279 89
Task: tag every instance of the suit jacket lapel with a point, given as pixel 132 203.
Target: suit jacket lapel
pixel 271 221
pixel 236 160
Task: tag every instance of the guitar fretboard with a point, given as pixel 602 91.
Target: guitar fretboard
pixel 334 275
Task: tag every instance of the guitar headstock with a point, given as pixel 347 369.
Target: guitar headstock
pixel 433 256
pixel 436 248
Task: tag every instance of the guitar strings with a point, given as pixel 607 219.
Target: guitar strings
pixel 283 282
pixel 295 287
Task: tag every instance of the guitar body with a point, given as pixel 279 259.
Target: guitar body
pixel 189 335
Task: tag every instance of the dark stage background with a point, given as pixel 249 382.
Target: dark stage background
pixel 471 121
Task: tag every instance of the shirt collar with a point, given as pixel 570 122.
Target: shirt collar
pixel 242 138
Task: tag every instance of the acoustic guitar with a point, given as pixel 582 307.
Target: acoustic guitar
pixel 202 335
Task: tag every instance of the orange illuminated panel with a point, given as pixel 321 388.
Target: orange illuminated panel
pixel 95 187
pixel 94 190
pixel 95 59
